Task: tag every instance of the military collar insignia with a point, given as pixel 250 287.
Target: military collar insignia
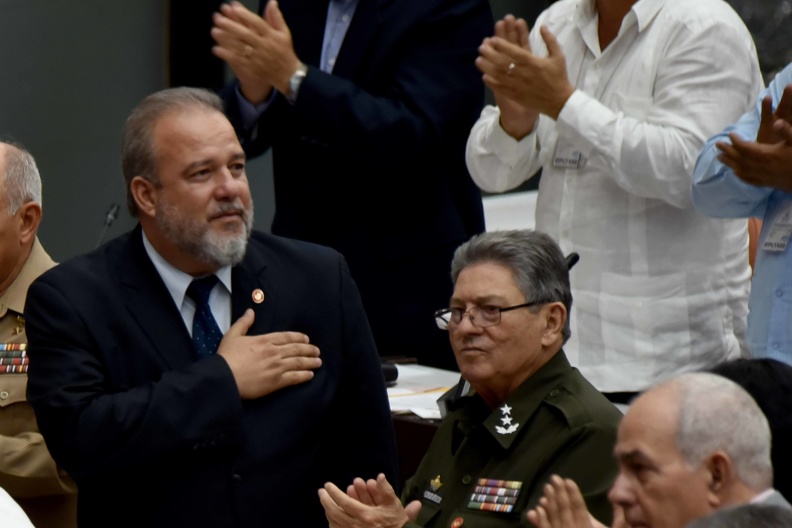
pixel 509 426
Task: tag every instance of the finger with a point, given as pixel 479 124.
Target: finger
pixel 363 493
pixel 228 32
pixel 553 47
pixel 764 134
pixel 352 492
pixel 500 29
pixel 283 338
pixel 383 492
pixel 242 325
pixel 783 130
pixel 576 502
pixel 335 515
pixel 522 33
pixel 293 377
pixel 538 516
pixel 563 506
pixel 507 51
pixel 784 109
pixel 511 29
pixel 273 15
pixel 250 19
pixel 550 503
pixel 343 501
pixel 413 509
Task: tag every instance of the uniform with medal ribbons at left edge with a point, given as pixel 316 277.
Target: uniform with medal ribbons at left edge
pixel 486 467
pixel 28 473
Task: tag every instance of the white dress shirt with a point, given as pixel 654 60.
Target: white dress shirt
pixel 177 283
pixel 659 288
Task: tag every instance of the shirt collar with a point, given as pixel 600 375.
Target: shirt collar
pixel 175 279
pixel 38 261
pixel 642 13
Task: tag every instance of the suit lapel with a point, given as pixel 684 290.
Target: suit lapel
pixel 252 287
pixel 151 305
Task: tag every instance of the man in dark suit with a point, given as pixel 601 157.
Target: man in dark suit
pixel 158 429
pixel 366 105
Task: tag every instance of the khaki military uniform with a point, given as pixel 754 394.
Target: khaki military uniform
pixel 27 472
pixel 486 467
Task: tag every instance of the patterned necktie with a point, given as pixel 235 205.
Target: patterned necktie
pixel 206 335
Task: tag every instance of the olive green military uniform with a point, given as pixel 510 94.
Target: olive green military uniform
pixel 486 467
pixel 27 471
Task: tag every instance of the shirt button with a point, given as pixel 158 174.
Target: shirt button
pixel 467 479
pixel 236 479
pixel 554 393
pixel 4 395
pixel 345 18
pixel 779 293
pixel 775 347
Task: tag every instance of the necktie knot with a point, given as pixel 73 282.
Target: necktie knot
pixel 200 289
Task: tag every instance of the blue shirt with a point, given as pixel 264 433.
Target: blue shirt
pixel 718 192
pixel 339 17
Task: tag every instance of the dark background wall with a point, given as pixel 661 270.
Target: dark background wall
pixel 72 71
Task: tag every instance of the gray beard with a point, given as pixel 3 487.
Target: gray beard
pixel 200 242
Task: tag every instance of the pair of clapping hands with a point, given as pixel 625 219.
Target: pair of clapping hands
pixel 373 503
pixel 766 162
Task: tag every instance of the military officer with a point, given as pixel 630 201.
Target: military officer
pixel 530 414
pixel 27 471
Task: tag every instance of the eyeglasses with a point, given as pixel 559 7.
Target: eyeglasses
pixel 480 316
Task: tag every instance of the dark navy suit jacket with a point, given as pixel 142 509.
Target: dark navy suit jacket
pixel 155 438
pixel 370 159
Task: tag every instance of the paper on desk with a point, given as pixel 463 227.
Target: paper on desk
pixel 418 388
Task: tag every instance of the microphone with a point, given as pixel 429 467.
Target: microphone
pixel 572 259
pixel 110 216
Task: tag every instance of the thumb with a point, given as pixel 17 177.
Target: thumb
pixel 243 324
pixel 412 510
pixel 274 16
pixel 553 48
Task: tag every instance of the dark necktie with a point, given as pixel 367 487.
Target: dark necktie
pixel 206 335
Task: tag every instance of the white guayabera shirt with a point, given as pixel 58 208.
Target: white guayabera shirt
pixel 659 288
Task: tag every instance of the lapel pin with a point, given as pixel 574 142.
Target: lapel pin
pixel 258 296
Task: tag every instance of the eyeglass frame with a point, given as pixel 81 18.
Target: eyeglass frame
pixel 447 311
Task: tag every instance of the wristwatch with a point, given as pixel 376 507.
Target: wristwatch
pixel 295 81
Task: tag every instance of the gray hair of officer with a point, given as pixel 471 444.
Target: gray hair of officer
pixel 747 516
pixel 21 181
pixel 535 260
pixel 716 414
pixel 138 151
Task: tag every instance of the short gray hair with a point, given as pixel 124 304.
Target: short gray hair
pixel 717 414
pixel 138 152
pixel 22 180
pixel 535 260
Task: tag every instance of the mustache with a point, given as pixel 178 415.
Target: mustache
pixel 234 207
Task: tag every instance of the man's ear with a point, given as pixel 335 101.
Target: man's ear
pixel 720 476
pixel 145 194
pixel 29 216
pixel 555 315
